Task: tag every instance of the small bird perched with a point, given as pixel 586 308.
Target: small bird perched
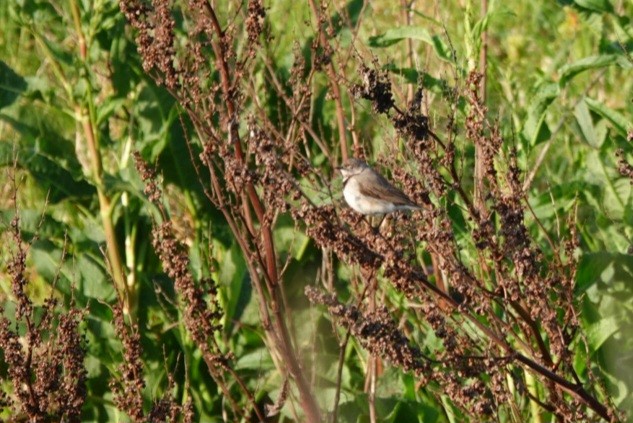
pixel 367 192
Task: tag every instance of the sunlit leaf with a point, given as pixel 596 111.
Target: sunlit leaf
pixel 535 129
pixel 620 122
pixel 569 71
pixel 583 118
pixel 395 35
pixel 598 333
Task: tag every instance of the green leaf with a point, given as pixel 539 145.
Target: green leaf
pixel 288 239
pixel 155 113
pixel 350 16
pixel 108 108
pixel 58 51
pixel 603 267
pixel 615 198
pixel 598 333
pixel 35 223
pixel 535 129
pixel 583 118
pixel 49 173
pixel 39 88
pixel 413 76
pixel 569 71
pixel 395 35
pixel 11 85
pixel 481 25
pixel 234 276
pixel 620 122
pixel 600 6
pixel 258 359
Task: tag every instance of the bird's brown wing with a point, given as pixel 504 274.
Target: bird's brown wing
pixel 378 187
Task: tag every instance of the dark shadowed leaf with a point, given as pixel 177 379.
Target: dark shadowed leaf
pixel 11 85
pixel 600 6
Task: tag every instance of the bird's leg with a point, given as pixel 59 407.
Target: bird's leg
pixel 371 220
pixel 367 219
pixel 383 219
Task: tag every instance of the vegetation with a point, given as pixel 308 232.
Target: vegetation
pixel 177 247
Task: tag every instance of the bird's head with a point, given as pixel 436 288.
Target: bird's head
pixel 352 167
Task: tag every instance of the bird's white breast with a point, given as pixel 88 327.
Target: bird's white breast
pixel 364 204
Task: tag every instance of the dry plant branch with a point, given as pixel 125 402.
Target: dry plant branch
pixel 43 348
pixel 509 308
pixel 224 159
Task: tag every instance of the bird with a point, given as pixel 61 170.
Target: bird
pixel 369 193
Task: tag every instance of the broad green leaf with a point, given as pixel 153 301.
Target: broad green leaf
pixel 559 198
pixel 623 29
pixel 620 122
pixel 258 359
pixel 35 223
pixel 39 88
pixel 289 239
pixel 616 198
pixel 583 118
pixel 49 173
pixel 414 76
pixel 234 277
pixel 600 6
pixel 598 333
pixel 395 35
pixel 106 109
pixel 57 51
pixel 603 267
pixel 155 113
pixel 11 85
pixel 83 274
pixel 569 71
pixel 535 129
pixel 350 17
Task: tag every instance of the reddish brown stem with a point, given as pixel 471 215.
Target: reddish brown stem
pixel 285 347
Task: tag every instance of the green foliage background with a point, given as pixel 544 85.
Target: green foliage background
pixel 560 81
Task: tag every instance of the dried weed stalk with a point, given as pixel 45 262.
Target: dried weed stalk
pixel 201 310
pixel 504 313
pixel 42 348
pixel 128 387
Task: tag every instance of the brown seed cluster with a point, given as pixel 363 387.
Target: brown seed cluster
pixel 128 388
pixel 376 331
pixel 200 316
pixel 202 311
pixel 255 21
pixel 43 349
pixel 128 391
pixel 624 168
pixel 376 88
pixel 155 38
